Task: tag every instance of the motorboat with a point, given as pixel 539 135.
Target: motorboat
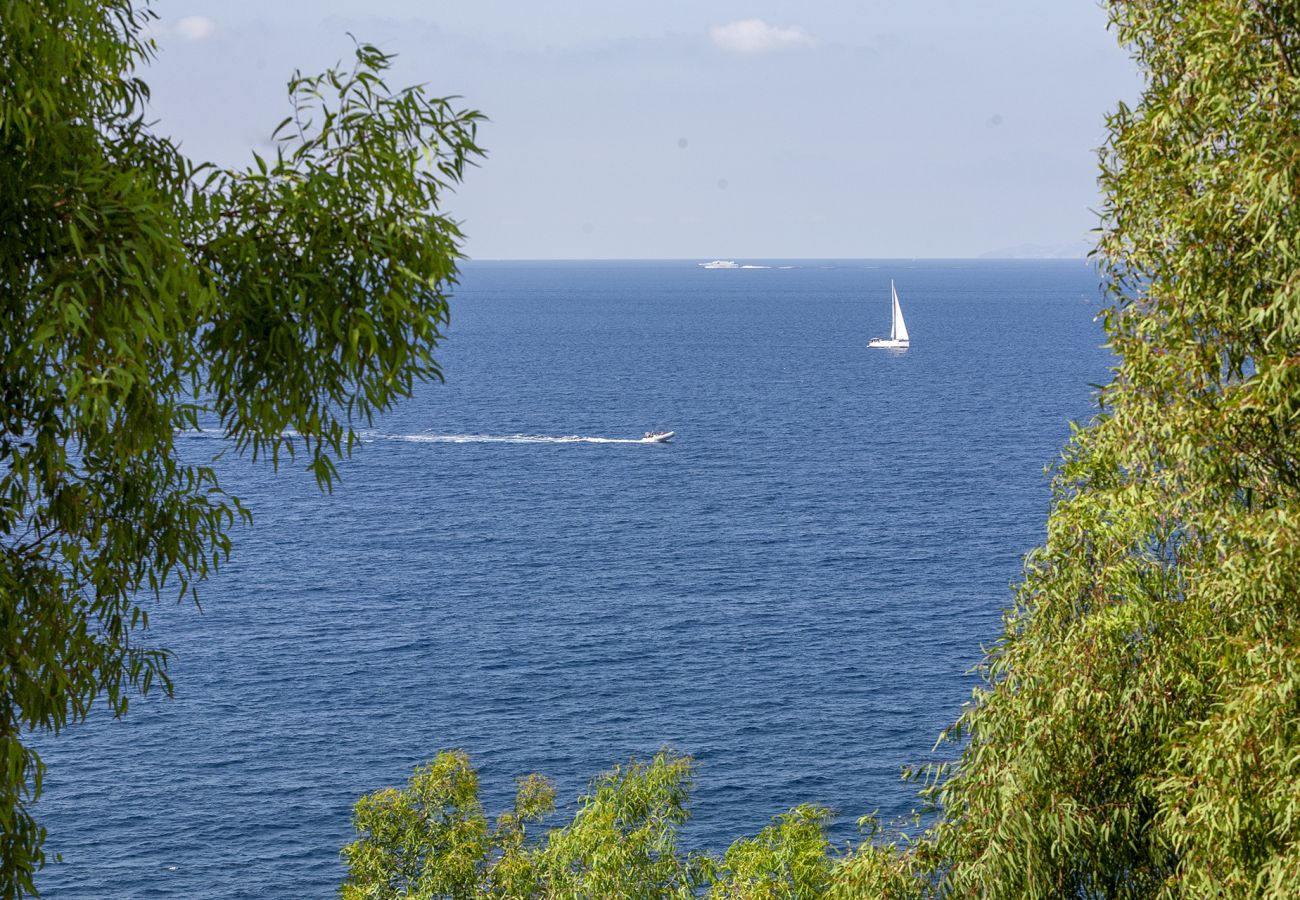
pixel 658 437
pixel 897 339
pixel 720 264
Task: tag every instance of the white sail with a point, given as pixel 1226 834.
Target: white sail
pixel 897 328
pixel 897 339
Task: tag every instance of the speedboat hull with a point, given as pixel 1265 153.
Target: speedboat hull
pixel 661 437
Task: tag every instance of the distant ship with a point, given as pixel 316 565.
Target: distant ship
pixel 720 264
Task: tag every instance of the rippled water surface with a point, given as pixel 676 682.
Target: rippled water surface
pixel 792 590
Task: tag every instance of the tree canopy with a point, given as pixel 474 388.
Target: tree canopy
pixel 142 293
pixel 432 839
pixel 1139 731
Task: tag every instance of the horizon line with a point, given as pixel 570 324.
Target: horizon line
pixel 1074 259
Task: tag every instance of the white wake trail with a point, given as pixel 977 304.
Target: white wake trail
pixel 501 439
pixel 370 437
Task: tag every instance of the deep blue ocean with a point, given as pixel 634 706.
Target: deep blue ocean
pixel 793 590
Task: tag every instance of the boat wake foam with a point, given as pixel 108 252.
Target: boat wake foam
pixel 370 437
pixel 500 439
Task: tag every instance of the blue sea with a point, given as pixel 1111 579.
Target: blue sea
pixel 792 591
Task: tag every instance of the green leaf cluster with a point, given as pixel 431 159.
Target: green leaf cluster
pixel 1138 734
pixel 141 294
pixel 432 839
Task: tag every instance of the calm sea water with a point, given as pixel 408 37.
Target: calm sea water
pixel 791 591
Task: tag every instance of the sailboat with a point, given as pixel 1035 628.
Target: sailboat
pixel 897 339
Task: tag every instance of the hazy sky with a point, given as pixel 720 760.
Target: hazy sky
pixel 679 129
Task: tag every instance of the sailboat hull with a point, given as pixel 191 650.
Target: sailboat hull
pixel 889 344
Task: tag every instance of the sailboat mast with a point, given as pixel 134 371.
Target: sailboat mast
pixel 893 312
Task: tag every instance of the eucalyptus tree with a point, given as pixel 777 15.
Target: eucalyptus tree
pixel 142 293
pixel 1139 731
pixel 432 839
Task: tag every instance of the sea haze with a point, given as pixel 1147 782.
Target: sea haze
pixel 792 590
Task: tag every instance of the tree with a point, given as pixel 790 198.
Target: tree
pixel 431 840
pixel 1139 731
pixel 790 858
pixel 140 294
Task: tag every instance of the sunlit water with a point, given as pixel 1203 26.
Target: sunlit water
pixel 791 590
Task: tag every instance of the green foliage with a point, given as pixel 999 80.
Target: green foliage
pixel 623 840
pixel 1139 735
pixel 140 293
pixel 430 840
pixel 789 858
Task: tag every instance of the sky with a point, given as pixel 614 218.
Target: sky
pixel 702 129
